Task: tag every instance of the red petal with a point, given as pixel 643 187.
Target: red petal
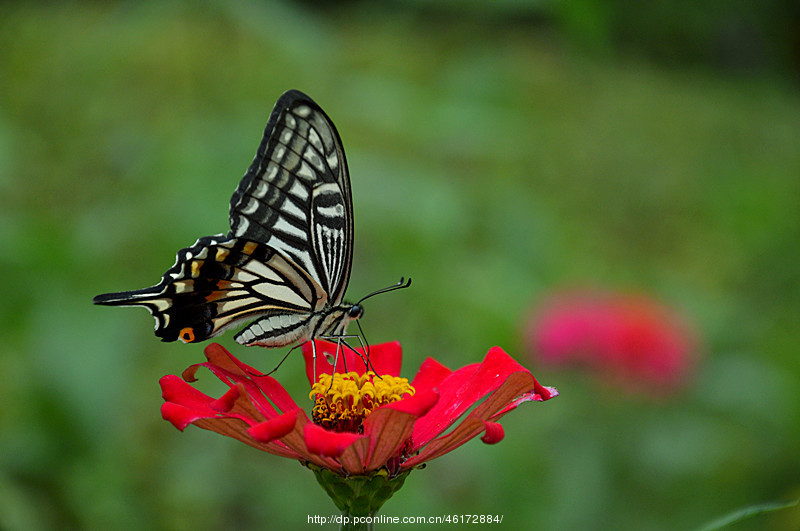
pixel 498 376
pixel 275 428
pixel 189 373
pixel 430 374
pixel 287 431
pixel 173 389
pixel 494 433
pixel 239 409
pixel 540 394
pixel 276 393
pixel 179 416
pixel 387 430
pixel 265 392
pixel 226 402
pixel 389 427
pixel 385 358
pixel 417 405
pixel 219 356
pixel 460 390
pixel 354 457
pixel 327 443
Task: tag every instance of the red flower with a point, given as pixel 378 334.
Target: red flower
pixel 362 422
pixel 633 338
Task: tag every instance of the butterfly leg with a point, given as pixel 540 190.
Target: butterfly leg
pixel 338 340
pixel 277 366
pixel 335 358
pixel 314 358
pixel 365 349
pixel 365 342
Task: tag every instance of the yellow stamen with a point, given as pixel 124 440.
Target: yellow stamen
pixel 342 403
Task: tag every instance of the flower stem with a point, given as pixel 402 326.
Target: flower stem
pixel 358 496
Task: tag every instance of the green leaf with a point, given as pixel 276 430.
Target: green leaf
pixel 747 512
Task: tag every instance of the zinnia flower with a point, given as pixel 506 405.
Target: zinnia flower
pixel 631 338
pixel 364 424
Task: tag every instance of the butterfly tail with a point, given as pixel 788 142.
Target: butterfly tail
pixel 127 298
pixel 188 322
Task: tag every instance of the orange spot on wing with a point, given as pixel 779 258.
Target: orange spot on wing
pixel 187 334
pixel 214 295
pixel 249 247
pixel 222 285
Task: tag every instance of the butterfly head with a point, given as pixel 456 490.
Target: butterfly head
pixel 342 315
pixel 355 311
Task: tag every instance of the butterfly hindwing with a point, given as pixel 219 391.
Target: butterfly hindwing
pixel 295 197
pixel 219 282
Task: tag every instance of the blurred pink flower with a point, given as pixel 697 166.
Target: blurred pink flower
pixel 630 338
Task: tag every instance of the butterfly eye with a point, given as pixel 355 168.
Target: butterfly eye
pixel 187 335
pixel 355 311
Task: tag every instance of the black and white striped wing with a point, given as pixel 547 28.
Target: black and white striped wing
pixel 220 282
pixel 286 260
pixel 295 197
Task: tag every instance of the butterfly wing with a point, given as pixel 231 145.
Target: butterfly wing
pixel 295 197
pixel 288 253
pixel 219 282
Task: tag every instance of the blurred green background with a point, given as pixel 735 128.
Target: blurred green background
pixel 498 152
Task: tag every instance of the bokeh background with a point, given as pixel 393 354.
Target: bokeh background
pixel 500 152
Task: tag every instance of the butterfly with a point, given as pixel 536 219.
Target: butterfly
pixel 285 263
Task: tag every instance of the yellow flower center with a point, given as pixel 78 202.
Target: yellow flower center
pixel 343 401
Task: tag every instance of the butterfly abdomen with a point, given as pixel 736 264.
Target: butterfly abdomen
pixel 277 330
pixel 280 328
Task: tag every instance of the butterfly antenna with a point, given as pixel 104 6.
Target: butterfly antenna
pixel 400 285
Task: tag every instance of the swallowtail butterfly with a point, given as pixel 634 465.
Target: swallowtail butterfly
pixel 285 263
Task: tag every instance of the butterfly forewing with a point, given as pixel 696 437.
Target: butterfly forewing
pixel 295 196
